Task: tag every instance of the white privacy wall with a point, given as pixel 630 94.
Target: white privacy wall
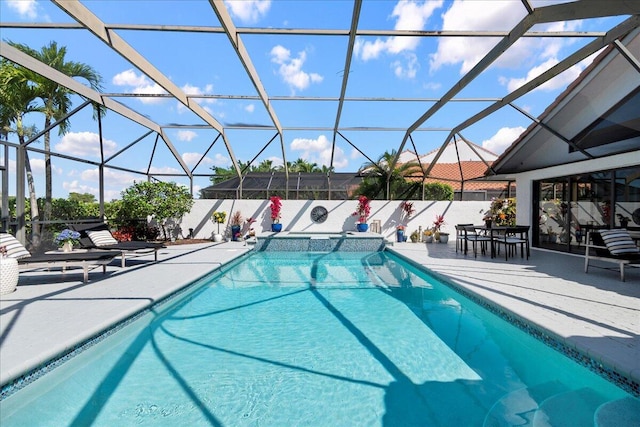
pixel 296 215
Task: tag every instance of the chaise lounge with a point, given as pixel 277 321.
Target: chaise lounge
pixel 84 259
pixel 615 246
pixel 97 236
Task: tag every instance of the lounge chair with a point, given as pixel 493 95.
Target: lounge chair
pixel 614 246
pixel 98 236
pixel 84 259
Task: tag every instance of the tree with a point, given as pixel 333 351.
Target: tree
pixel 160 200
pixel 56 98
pixel 374 184
pixel 83 198
pixel 438 191
pixel 17 98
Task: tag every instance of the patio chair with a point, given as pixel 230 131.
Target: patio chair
pixel 97 235
pixel 84 259
pixel 461 236
pixel 615 246
pixel 471 235
pixel 511 237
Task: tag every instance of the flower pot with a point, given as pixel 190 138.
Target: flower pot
pixel 276 228
pixel 217 237
pixel 8 274
pixel 362 227
pixel 235 233
pixel 400 235
pixel 428 239
pixel 488 223
pixel 444 238
pixel 67 247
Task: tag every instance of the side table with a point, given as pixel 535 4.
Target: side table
pixel 8 275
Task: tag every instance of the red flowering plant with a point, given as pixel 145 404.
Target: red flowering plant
pixel 364 209
pixel 438 223
pixel 276 207
pixel 124 234
pixel 406 210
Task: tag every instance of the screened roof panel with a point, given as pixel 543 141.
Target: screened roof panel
pixel 275 65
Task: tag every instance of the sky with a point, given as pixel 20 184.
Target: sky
pixel 290 65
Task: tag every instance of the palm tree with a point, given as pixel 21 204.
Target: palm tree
pixel 17 98
pixel 381 179
pixel 302 165
pixel 56 98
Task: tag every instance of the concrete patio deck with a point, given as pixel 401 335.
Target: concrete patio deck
pixel 596 313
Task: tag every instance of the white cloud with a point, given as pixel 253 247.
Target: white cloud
pixel 408 69
pixel 409 15
pixel 112 177
pixel 84 144
pixel 291 68
pixel 75 187
pixel 165 170
pixel 432 86
pixel 195 90
pixel 558 82
pixel 25 8
pixel 140 84
pixel 221 160
pixel 250 108
pixel 37 166
pixel 192 158
pixel 502 139
pixel 186 135
pixel 319 151
pixel 473 15
pixel 248 11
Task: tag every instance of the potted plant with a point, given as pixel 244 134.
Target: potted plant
pixel 400 233
pixel 236 222
pixel 276 207
pixel 501 212
pixel 66 239
pixel 428 235
pixel 553 236
pixel 437 224
pixel 219 217
pixel 414 236
pixel 362 212
pixel 624 220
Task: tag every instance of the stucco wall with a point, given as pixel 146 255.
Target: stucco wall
pixel 296 215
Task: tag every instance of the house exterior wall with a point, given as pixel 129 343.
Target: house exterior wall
pixel 524 180
pixel 295 215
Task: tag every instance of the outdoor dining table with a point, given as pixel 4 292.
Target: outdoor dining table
pixel 494 232
pixel 522 233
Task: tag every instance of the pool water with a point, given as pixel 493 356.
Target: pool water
pixel 318 339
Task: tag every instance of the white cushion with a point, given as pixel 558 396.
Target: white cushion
pixel 101 237
pixel 13 246
pixel 619 242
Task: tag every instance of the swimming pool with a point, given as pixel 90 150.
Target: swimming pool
pixel 338 338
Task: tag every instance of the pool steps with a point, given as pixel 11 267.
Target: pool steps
pixel 552 403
